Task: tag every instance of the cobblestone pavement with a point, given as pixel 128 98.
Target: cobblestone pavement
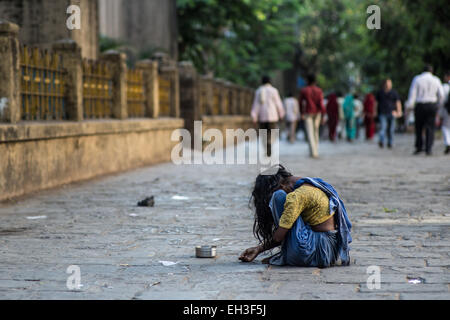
pixel 398 203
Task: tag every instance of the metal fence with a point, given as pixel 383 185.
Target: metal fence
pixel 216 100
pixel 226 100
pixel 45 83
pixel 204 106
pixel 42 85
pixel 135 93
pixel 165 88
pixel 242 107
pixel 97 90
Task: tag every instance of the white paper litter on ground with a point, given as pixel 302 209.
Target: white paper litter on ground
pixel 417 280
pixel 414 281
pixel 37 217
pixel 168 263
pixel 133 215
pixel 180 198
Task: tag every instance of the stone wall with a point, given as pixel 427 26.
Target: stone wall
pixel 224 123
pixel 43 22
pixel 36 156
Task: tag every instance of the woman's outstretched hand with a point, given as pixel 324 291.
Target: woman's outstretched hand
pixel 250 254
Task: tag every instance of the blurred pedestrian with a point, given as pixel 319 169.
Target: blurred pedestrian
pixel 349 115
pixel 358 114
pixel 333 116
pixel 292 116
pixel 312 111
pixel 389 108
pixel 426 94
pixel 267 110
pixel 341 123
pixel 445 113
pixel 369 115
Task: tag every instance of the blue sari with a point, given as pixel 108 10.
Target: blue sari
pixel 305 247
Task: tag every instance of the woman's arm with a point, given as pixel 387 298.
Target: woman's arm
pixel 294 205
pixel 279 236
pixel 252 253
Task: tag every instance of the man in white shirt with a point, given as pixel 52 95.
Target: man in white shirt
pixel 426 94
pixel 292 116
pixel 444 113
pixel 267 110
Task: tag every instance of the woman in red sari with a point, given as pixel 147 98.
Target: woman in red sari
pixel 333 115
pixel 369 115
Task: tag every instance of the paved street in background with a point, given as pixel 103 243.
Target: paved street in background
pixel 398 203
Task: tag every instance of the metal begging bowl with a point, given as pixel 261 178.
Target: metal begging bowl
pixel 205 251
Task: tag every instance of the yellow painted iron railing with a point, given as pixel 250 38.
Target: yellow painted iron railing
pixel 97 90
pixel 250 96
pixel 204 109
pixel 242 107
pixel 135 94
pixel 226 101
pixel 43 83
pixel 164 96
pixel 216 100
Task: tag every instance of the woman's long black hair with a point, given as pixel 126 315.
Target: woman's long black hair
pixel 265 186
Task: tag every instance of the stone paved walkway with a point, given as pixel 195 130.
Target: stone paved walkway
pixel 398 203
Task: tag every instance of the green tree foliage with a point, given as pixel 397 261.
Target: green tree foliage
pixel 414 33
pixel 328 37
pixel 106 43
pixel 237 39
pixel 242 39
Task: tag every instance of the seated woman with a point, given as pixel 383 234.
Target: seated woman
pixel 303 215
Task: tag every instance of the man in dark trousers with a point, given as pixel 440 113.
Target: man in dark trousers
pixel 388 110
pixel 426 94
